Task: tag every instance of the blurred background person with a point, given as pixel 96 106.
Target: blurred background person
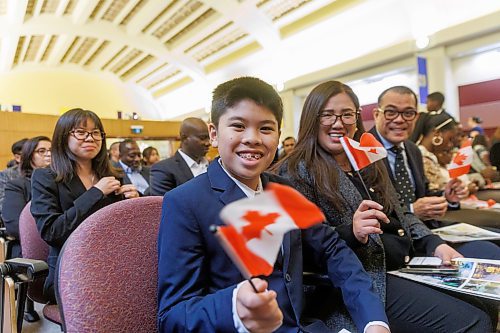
pixel 35 154
pixel 130 164
pixel 150 156
pixel 495 149
pixel 288 145
pixel 188 161
pixel 12 171
pixel 475 126
pixel 435 103
pixel 79 182
pixel 114 153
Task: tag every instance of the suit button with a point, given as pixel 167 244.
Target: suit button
pixel 407 259
pixel 288 278
pixel 401 232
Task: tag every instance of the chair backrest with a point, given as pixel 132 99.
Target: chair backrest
pixel 32 244
pixel 33 247
pixel 107 279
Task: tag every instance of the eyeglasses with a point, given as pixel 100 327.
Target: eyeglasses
pixel 81 134
pixel 328 118
pixel 43 151
pixel 391 114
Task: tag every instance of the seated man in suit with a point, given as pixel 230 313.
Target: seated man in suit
pixel 188 162
pixel 395 117
pixel 130 162
pixel 199 287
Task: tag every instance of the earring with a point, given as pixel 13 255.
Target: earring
pixel 437 140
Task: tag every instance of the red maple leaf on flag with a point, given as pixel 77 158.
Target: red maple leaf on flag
pixel 373 151
pixel 460 158
pixel 258 223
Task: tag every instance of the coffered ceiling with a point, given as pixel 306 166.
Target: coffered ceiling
pixel 156 44
pixel 163 46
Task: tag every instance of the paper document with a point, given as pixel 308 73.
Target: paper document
pixel 463 232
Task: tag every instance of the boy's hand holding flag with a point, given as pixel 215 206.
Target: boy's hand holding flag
pixel 256 226
pixel 462 161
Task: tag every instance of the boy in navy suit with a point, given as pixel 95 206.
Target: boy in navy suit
pixel 199 288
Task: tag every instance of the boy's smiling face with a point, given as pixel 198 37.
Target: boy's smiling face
pixel 247 137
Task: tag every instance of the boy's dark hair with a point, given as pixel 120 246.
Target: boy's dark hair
pixel 25 167
pixel 402 90
pixel 63 161
pixel 229 93
pixel 17 146
pixel 436 96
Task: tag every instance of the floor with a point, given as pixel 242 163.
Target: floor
pixel 41 326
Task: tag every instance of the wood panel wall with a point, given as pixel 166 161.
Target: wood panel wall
pixel 15 126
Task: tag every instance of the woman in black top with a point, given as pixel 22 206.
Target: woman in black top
pixel 383 235
pixel 35 154
pixel 79 182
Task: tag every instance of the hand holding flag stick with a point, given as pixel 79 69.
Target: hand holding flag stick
pixel 363 153
pixel 255 227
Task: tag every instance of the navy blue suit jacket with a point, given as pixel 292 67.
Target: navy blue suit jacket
pixel 196 278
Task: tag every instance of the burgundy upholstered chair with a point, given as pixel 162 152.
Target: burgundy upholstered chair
pixel 108 269
pixel 34 247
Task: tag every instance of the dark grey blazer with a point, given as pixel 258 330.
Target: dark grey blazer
pixel 168 174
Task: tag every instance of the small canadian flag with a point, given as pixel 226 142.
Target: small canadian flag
pixel 364 152
pixel 255 227
pixel 462 161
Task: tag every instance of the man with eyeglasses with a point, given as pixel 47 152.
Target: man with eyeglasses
pixel 395 118
pixel 130 162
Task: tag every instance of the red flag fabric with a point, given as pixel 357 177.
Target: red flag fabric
pixel 255 226
pixel 462 161
pixel 364 152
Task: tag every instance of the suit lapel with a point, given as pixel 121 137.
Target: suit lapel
pixel 183 167
pixel 221 183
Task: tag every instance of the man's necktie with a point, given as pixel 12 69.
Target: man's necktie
pixel 403 184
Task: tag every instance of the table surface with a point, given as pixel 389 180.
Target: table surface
pixel 477 217
pixel 488 194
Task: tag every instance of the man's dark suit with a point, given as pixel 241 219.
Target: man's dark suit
pixel 415 161
pixel 196 278
pixel 168 174
pixel 59 208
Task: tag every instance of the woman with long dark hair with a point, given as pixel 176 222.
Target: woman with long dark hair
pixel 79 182
pixel 383 235
pixel 35 154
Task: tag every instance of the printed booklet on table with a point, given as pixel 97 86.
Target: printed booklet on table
pixel 480 277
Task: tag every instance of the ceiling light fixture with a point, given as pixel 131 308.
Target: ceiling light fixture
pixel 422 42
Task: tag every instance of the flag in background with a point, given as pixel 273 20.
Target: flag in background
pixel 460 165
pixel 256 226
pixel 364 152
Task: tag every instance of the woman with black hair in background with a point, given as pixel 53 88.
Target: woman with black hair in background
pixel 79 182
pixel 150 156
pixel 35 154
